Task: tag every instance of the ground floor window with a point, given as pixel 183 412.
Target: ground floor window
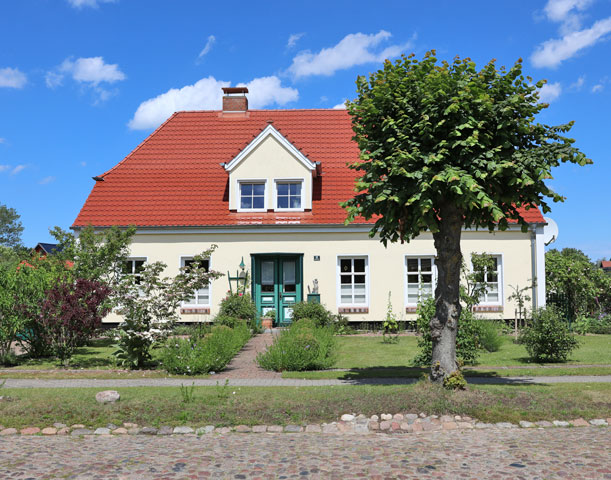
pixel 490 277
pixel 201 296
pixel 421 279
pixel 133 266
pixel 353 273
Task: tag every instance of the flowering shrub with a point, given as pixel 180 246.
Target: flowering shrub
pixel 70 315
pixel 238 306
pixel 304 346
pixel 197 355
pixel 149 305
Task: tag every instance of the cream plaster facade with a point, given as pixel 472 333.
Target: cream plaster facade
pixel 386 266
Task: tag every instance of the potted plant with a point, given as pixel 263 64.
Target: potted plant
pixel 267 321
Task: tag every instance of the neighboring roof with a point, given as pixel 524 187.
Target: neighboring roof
pixel 175 177
pixel 605 264
pixel 47 248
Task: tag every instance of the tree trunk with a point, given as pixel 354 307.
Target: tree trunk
pixel 444 324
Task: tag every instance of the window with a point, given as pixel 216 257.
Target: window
pixel 353 277
pixel 288 195
pixel 201 296
pixel 134 266
pixel 420 279
pixel 252 195
pixel 489 276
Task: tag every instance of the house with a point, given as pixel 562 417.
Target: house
pixel 265 186
pixel 44 249
pixel 606 266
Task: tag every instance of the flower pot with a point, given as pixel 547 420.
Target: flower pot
pixel 267 323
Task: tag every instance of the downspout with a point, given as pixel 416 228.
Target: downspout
pixel 533 261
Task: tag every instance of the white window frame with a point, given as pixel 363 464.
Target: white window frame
pixel 135 259
pixel 209 286
pixel 501 300
pixel 289 180
pixel 339 282
pixel 406 273
pixel 239 183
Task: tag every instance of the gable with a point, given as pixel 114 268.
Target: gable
pixel 269 161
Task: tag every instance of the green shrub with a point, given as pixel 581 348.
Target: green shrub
pixel 239 306
pixel 490 335
pixel 314 311
pixel 599 325
pixel 548 338
pixel 304 346
pixel 227 320
pixel 198 355
pixel 468 341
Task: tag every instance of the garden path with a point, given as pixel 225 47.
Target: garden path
pixel 244 365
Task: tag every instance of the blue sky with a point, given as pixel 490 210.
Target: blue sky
pixel 83 82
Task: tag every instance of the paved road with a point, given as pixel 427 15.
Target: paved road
pixel 576 453
pixel 278 382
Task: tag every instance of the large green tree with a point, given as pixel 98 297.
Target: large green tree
pixel 10 227
pixel 445 146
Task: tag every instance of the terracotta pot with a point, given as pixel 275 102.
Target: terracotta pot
pixel 267 323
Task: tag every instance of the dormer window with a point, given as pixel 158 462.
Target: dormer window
pixel 252 195
pixel 289 195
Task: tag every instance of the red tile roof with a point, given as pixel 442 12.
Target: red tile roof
pixel 174 177
pixel 605 264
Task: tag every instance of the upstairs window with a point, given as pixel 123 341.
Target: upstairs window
pixel 134 266
pixel 201 296
pixel 252 196
pixel 288 195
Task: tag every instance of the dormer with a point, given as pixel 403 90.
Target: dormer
pixel 270 174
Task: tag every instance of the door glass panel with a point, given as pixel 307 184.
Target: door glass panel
pixel 288 276
pixel 267 276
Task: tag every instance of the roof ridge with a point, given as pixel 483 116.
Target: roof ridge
pixel 140 145
pixel 271 110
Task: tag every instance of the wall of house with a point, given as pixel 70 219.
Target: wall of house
pixel 268 161
pixel 387 271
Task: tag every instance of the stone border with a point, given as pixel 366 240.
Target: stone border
pixel 348 424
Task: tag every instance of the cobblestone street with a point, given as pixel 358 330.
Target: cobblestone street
pixel 571 453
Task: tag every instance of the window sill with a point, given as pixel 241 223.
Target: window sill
pixel 353 310
pixel 488 308
pixel 195 310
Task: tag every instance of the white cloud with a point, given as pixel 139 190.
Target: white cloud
pixel 293 39
pixel 340 106
pixel 46 180
pixel 12 78
pixel 90 72
pixel 206 94
pixel 18 169
pixel 88 3
pixel 4 168
pixel 598 88
pixel 553 52
pixel 207 47
pixel 578 84
pixel 566 12
pixel 2 140
pixel 353 49
pixel 83 164
pixel 550 92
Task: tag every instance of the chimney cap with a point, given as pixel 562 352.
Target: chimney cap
pixel 232 90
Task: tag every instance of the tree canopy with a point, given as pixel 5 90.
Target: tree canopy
pixel 433 134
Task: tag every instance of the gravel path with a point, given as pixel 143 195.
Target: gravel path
pixel 573 453
pixel 279 382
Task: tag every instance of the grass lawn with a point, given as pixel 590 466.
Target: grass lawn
pixel 370 352
pixel 222 405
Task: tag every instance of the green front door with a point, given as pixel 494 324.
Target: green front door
pixel 278 284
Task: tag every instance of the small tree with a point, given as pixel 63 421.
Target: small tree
pixel 444 147
pixel 10 227
pixel 71 313
pixel 149 305
pixel 473 286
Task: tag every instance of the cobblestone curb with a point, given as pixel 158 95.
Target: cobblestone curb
pixel 400 423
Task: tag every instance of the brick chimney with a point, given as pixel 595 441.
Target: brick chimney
pixel 234 99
